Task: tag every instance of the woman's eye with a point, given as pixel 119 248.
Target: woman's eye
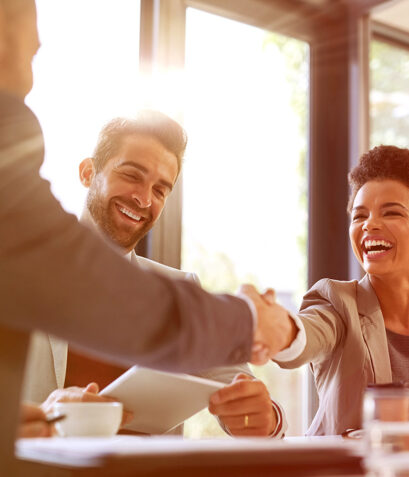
pixel 358 217
pixel 393 212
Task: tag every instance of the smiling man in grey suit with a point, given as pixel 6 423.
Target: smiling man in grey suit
pixel 54 271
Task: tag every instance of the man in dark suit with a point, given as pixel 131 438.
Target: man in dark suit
pixel 54 271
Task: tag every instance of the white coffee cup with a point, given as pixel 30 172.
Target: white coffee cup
pixel 82 419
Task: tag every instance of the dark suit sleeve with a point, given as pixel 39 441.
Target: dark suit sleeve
pixel 59 277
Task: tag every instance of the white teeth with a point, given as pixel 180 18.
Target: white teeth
pixel 130 214
pixel 374 243
pixel 373 252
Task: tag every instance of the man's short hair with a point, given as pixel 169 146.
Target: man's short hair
pixel 148 123
pixel 380 163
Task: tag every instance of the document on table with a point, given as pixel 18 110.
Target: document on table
pixel 160 401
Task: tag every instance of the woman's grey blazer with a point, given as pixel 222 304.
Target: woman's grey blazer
pixel 346 348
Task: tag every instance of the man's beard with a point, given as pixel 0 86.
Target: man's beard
pixel 102 216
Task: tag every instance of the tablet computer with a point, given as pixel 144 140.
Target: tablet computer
pixel 159 400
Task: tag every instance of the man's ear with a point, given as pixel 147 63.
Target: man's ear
pixel 87 171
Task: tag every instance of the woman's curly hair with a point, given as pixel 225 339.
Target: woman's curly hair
pixel 381 162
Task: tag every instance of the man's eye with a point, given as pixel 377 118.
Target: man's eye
pixel 160 193
pixel 130 175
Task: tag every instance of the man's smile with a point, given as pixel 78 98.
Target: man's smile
pixel 130 214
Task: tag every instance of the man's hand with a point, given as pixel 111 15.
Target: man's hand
pixel 244 407
pixel 77 394
pixel 33 422
pixel 275 329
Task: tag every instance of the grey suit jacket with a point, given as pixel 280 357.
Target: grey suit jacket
pixel 47 357
pixel 54 272
pixel 224 374
pixel 347 350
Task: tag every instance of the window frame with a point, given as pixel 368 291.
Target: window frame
pixel 338 121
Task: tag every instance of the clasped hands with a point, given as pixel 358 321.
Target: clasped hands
pixel 275 329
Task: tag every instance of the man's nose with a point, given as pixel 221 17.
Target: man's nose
pixel 143 197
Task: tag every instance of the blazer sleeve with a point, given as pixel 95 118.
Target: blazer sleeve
pixel 323 323
pixel 59 277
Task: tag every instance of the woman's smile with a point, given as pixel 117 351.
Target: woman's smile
pixel 375 247
pixel 379 227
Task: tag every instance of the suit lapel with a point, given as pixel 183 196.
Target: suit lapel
pixel 373 331
pixel 134 258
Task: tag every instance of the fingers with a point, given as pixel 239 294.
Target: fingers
pixel 239 407
pixel 251 292
pixel 249 424
pixel 92 388
pixel 30 412
pixel 242 377
pixel 247 289
pixel 260 354
pixel 91 397
pixel 33 422
pixel 34 429
pixel 127 417
pixel 269 296
pixel 74 394
pixel 275 329
pixel 237 390
pixel 244 407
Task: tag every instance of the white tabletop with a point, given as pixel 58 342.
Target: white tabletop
pixel 90 452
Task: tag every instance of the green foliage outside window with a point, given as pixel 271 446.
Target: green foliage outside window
pixel 389 96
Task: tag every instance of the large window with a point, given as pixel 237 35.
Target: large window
pixel 86 73
pixel 389 96
pixel 245 180
pixel 245 110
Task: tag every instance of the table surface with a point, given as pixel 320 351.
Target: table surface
pixel 130 455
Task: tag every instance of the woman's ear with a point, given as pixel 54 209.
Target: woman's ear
pixel 87 171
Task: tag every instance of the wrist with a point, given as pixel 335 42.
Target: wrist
pixel 279 429
pixel 253 311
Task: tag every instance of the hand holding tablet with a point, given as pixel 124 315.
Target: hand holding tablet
pixel 160 401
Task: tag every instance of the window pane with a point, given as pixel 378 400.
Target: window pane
pixel 245 181
pixel 389 66
pixel 85 74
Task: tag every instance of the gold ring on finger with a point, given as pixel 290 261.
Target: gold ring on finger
pixel 246 421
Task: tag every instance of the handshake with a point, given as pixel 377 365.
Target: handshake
pixel 275 329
